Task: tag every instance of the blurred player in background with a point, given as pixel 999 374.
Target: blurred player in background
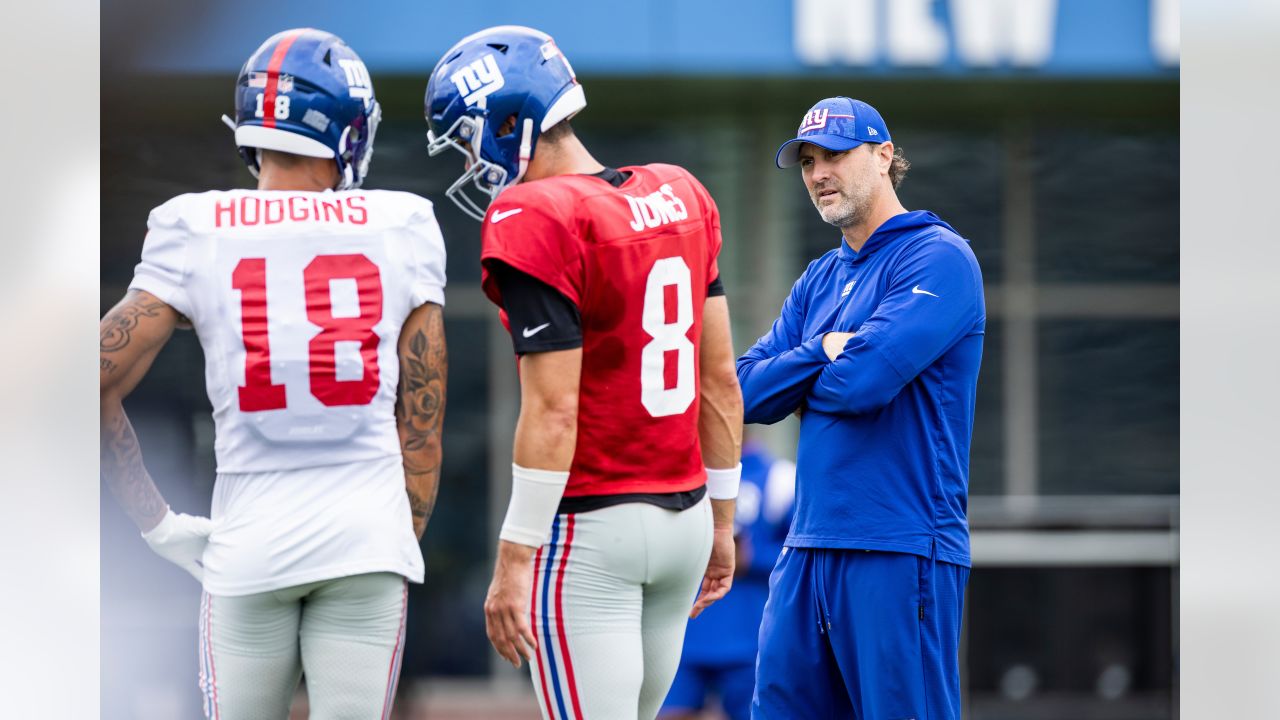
pixel 879 346
pixel 608 283
pixel 319 311
pixel 720 645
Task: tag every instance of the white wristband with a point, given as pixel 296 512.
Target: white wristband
pixel 722 484
pixel 535 497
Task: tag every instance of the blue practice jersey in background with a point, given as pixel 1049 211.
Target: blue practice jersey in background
pixel 727 632
pixel 883 458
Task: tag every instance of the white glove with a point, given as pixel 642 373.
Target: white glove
pixel 180 539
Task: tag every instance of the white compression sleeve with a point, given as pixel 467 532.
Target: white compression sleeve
pixel 535 496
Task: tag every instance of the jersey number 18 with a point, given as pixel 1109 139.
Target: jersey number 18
pixel 259 392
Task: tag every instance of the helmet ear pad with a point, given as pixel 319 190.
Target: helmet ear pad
pixel 533 119
pixel 501 145
pixel 507 127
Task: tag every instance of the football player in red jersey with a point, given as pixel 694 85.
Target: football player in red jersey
pixel 627 446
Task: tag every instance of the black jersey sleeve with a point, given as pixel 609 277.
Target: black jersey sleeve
pixel 542 318
pixel 716 288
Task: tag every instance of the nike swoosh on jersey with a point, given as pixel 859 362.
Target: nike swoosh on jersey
pixel 498 217
pixel 531 332
pixel 917 291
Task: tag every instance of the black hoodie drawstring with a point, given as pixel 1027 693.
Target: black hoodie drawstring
pixel 820 589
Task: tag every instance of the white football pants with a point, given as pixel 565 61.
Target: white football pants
pixel 346 634
pixel 612 592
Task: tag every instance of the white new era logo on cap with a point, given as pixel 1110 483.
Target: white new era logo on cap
pixel 871 131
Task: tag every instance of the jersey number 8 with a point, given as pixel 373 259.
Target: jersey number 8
pixel 668 337
pixel 259 393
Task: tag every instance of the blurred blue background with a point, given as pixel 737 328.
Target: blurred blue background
pixel 1067 38
pixel 1045 131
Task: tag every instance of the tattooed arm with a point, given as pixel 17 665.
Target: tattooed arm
pixel 424 370
pixel 132 334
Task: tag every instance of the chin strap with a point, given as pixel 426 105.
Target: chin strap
pixel 478 136
pixel 251 163
pixel 346 178
pixel 526 151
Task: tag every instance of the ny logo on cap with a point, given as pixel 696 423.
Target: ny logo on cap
pixel 816 119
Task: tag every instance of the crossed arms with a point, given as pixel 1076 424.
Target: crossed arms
pixel 846 373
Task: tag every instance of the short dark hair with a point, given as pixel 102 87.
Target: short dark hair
pixel 898 167
pixel 557 132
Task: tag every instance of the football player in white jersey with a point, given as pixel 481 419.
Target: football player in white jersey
pixel 318 307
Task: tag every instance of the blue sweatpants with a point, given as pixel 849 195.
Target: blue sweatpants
pixel 860 634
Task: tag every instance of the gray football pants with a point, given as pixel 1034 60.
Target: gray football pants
pixel 346 634
pixel 612 592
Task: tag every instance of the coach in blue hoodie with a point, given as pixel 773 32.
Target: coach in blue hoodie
pixel 878 348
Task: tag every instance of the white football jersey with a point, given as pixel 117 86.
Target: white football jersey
pixel 298 299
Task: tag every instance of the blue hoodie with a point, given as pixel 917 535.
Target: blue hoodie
pixel 883 460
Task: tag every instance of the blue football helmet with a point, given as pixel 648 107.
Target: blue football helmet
pixel 306 92
pixel 482 81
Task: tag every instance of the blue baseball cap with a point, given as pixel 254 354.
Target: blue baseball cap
pixel 837 124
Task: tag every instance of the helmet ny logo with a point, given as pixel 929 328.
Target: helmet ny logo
pixel 478 79
pixel 359 85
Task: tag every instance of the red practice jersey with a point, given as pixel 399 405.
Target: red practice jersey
pixel 636 260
